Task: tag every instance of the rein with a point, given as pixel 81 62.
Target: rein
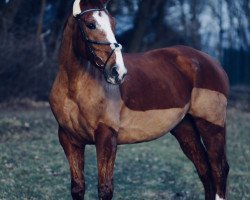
pixel 89 43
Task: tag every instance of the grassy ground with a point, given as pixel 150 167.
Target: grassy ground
pixel 33 165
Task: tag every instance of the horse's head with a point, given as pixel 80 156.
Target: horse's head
pixel 96 38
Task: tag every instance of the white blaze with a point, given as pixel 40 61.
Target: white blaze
pixel 217 197
pixel 103 23
pixel 76 7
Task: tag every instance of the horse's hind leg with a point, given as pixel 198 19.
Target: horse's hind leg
pixel 214 139
pixel 191 145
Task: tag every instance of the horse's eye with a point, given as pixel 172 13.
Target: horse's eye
pixel 91 26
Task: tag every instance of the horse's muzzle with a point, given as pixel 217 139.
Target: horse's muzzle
pixel 114 76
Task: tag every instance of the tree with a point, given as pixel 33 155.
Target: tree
pixel 7 16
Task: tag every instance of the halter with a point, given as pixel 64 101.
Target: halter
pixel 89 43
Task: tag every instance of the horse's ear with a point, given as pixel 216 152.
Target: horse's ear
pixel 105 2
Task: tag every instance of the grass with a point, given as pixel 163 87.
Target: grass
pixel 33 165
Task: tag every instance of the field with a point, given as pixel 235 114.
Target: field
pixel 33 165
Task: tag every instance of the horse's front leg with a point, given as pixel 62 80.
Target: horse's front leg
pixel 106 146
pixel 75 156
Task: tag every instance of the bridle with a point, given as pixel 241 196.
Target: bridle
pixel 89 43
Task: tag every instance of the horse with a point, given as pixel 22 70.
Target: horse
pixel 106 98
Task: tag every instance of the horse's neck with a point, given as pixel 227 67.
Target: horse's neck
pixel 74 65
pixel 78 74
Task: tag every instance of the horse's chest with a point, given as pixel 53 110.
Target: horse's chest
pixel 76 115
pixel 86 115
pixel 140 126
pixel 82 116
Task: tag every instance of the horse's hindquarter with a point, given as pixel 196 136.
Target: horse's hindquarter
pixel 156 97
pixel 210 83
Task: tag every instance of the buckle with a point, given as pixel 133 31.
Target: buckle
pixel 116 46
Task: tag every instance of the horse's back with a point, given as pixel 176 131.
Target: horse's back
pixel 196 67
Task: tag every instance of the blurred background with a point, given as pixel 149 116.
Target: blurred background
pixel 32 163
pixel 30 35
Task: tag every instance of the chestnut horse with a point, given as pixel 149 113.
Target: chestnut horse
pixel 177 89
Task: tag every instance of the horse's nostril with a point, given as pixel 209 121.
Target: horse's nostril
pixel 123 76
pixel 114 72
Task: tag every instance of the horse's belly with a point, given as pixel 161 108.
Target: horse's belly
pixel 141 126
